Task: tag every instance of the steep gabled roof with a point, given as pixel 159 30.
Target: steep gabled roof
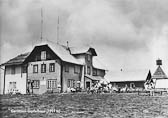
pixel 17 60
pixel 64 54
pixel 82 50
pixel 159 74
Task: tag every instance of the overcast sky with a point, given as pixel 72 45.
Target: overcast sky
pixel 127 34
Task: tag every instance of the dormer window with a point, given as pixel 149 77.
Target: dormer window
pixel 43 55
pixel 13 70
pixel 89 57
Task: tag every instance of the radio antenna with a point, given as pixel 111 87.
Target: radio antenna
pixel 58 30
pixel 41 25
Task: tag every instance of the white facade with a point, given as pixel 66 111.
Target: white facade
pixel 15 82
pixel 161 83
pixel 20 83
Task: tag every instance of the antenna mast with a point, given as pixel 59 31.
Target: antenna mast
pixel 41 24
pixel 58 30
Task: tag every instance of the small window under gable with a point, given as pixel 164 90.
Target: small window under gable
pixel 66 68
pixel 43 55
pixel 13 70
pixel 35 68
pixel 89 57
pixel 76 69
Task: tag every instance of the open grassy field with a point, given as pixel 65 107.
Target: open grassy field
pixel 80 105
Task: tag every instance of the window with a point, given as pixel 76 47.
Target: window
pixel 76 69
pixel 24 69
pixel 52 84
pixel 94 71
pixel 88 70
pixel 43 55
pixel 13 70
pixel 66 68
pixel 43 68
pixel 12 85
pixel 52 67
pixel 35 68
pixel 71 83
pixel 88 57
pixel 36 83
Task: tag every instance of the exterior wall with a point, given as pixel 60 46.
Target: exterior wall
pixel 161 83
pixel 70 75
pixel 138 84
pixel 18 77
pixel 43 77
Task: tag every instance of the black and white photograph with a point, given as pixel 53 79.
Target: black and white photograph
pixel 84 58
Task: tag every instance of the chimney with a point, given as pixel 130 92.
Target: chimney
pixel 67 44
pixel 68 47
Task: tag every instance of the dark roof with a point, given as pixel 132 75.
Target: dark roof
pixel 82 50
pixel 17 60
pixel 97 78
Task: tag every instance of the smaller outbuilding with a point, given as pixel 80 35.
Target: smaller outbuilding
pixel 129 79
pixel 159 77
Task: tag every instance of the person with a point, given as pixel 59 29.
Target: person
pixel 149 86
pixel 59 88
pixel 68 90
pixel 28 87
pixel 73 90
pixel 31 83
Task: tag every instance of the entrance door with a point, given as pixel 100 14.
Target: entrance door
pixel 87 84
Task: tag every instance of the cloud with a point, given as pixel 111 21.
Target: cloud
pixel 122 31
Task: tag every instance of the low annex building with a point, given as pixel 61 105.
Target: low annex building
pixel 137 79
pixel 52 67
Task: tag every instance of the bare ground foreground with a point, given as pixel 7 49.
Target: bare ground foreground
pixel 81 105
